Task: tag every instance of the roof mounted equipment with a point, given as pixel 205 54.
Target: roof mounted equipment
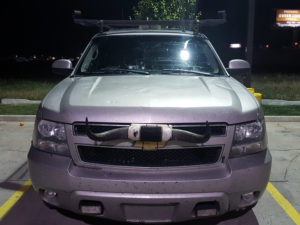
pixel 184 24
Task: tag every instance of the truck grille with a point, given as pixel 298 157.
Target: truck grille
pixel 216 129
pixel 157 158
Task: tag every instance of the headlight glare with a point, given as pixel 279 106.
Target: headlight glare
pixel 249 138
pixel 248 132
pixel 50 129
pixel 51 137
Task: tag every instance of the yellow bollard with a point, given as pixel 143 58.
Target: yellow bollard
pixel 251 90
pixel 258 96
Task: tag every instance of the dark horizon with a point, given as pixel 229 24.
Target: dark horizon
pixel 46 27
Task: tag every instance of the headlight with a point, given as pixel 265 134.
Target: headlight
pixel 249 138
pixel 50 137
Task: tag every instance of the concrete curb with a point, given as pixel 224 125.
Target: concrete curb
pixel 279 102
pixel 16 101
pixel 17 118
pixel 31 118
pixel 282 118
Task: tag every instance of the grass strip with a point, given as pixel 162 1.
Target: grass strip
pixel 26 88
pixel 279 86
pixel 31 109
pixel 283 86
pixel 272 86
pixel 19 109
pixel 276 110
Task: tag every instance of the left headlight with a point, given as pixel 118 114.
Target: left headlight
pixel 51 137
pixel 249 138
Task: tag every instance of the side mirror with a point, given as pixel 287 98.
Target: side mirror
pixel 238 67
pixel 62 67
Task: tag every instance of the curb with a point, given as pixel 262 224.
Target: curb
pixel 18 118
pixel 31 118
pixel 278 102
pixel 282 118
pixel 17 101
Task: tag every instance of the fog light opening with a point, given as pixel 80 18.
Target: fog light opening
pixel 204 209
pixel 91 207
pixel 250 197
pixel 49 194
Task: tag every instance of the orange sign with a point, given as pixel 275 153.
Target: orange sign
pixel 288 18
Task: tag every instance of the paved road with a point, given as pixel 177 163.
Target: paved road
pixel 14 144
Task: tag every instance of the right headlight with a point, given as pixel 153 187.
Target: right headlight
pixel 249 138
pixel 51 137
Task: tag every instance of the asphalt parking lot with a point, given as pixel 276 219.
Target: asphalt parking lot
pixel 279 205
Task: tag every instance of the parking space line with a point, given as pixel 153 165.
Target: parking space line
pixel 4 209
pixel 284 203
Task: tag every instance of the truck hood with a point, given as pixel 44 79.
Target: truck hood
pixel 150 99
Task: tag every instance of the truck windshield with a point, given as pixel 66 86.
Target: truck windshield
pixel 150 54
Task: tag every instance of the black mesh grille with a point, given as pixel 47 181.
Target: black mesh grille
pixel 157 158
pixel 216 129
pixel 80 129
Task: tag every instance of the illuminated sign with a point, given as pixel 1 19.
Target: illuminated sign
pixel 288 18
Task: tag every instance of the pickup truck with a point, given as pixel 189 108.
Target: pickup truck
pixel 149 127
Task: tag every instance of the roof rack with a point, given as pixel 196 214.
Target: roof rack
pixel 184 24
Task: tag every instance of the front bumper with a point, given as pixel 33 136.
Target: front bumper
pixel 150 195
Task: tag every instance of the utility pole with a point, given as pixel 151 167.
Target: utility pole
pixel 250 37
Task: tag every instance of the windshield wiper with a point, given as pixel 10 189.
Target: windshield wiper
pixel 187 71
pixel 116 70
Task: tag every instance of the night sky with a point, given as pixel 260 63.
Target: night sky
pixel 36 27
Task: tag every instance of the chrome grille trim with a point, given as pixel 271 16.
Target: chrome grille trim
pixel 219 129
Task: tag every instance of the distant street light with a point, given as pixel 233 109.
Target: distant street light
pixel 235 45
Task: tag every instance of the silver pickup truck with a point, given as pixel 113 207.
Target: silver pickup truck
pixel 149 127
